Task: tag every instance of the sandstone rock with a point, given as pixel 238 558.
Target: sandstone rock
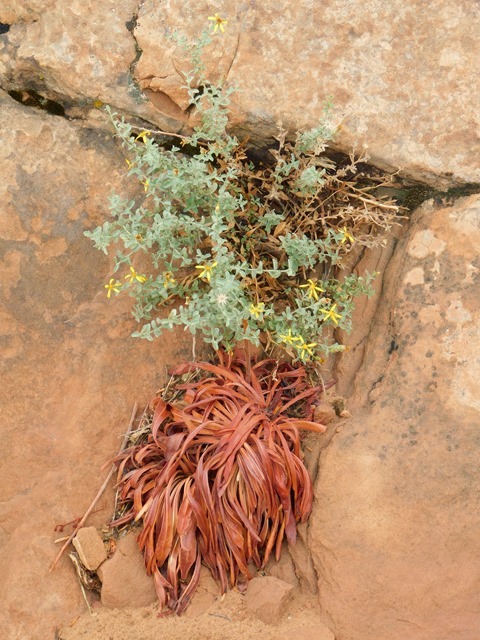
pixel 324 413
pixel 311 632
pixel 70 371
pixel 125 583
pixel 302 559
pixel 90 548
pixel 28 11
pixel 267 597
pixel 205 595
pixel 354 52
pixel 74 53
pixel 284 569
pixel 77 53
pixel 394 525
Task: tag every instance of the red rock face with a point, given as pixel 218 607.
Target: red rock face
pixel 70 371
pixel 73 52
pixel 374 58
pixel 90 548
pixel 267 598
pixel 401 78
pixel 394 528
pixel 393 534
pixel 125 583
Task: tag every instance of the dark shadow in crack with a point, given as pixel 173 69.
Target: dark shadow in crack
pixel 30 98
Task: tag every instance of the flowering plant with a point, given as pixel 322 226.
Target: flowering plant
pixel 235 249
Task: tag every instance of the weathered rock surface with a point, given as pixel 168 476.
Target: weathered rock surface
pixel 90 548
pixel 205 595
pixel 75 53
pixel 27 11
pixel 70 371
pixel 403 79
pixel 284 569
pixel 267 597
pixel 394 528
pixel 125 583
pixel 302 559
pixel 324 413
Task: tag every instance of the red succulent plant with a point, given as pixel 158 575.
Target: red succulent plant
pixel 220 478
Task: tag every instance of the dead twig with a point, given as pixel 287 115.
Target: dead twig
pixel 82 521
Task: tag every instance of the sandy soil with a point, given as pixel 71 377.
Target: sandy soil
pixel 226 619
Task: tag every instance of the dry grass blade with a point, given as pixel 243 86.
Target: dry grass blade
pixel 347 195
pixel 219 478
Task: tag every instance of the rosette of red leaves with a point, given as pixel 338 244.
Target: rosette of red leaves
pixel 220 479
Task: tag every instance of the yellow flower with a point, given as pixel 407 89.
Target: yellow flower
pixel 256 310
pixel 97 104
pixel 346 236
pixel 143 135
pixel 312 289
pixel 305 348
pixel 168 279
pixel 133 275
pixel 289 339
pixel 219 23
pixel 113 286
pixel 206 270
pixel 330 314
pixel 129 164
pixel 146 184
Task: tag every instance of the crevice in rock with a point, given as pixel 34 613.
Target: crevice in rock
pixel 392 344
pixel 409 193
pixel 134 88
pixel 72 111
pixel 412 194
pixel 235 53
pixel 4 28
pixel 346 374
pixel 391 333
pixel 30 98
